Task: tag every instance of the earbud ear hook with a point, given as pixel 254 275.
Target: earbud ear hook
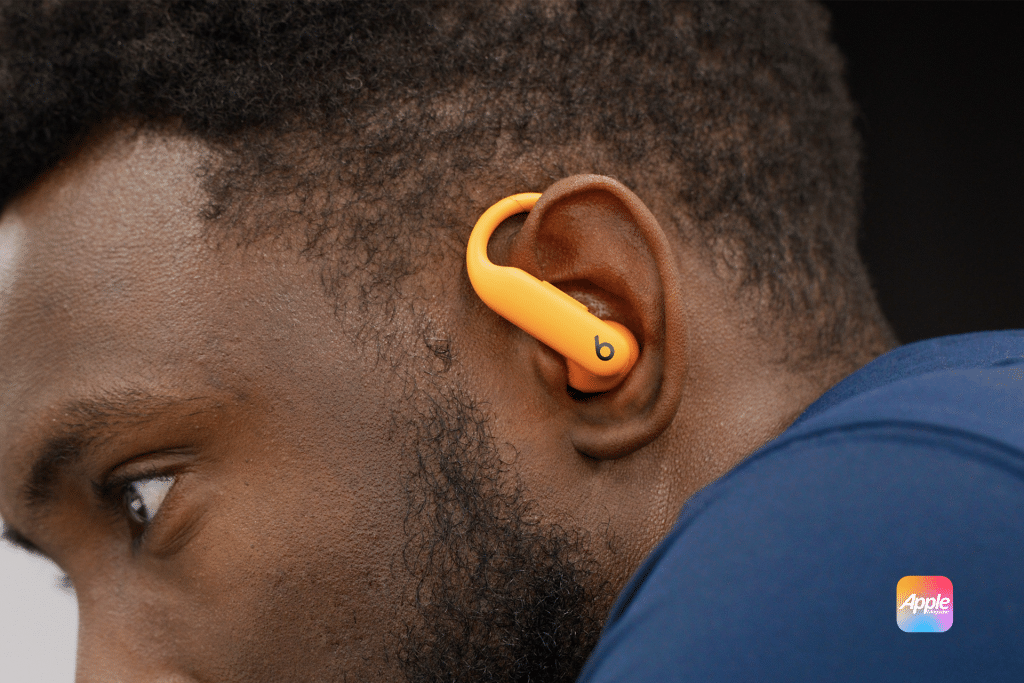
pixel 599 353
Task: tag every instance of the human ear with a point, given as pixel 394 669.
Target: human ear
pixel 594 239
pixel 547 313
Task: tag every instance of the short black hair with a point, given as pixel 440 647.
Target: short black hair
pixel 369 119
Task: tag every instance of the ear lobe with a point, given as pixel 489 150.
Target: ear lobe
pixel 593 238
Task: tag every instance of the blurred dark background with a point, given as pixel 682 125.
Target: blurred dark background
pixel 940 88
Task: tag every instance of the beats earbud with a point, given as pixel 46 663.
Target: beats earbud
pixel 599 353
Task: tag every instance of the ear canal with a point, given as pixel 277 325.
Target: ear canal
pixel 599 353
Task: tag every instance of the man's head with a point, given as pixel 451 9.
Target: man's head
pixel 232 274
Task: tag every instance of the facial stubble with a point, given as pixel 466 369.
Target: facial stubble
pixel 500 594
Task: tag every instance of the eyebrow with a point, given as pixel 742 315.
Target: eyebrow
pixel 57 454
pixel 87 423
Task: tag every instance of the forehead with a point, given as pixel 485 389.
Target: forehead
pixel 107 284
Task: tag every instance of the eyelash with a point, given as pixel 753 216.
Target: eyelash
pixel 113 493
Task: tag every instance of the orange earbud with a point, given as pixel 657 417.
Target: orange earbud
pixel 599 353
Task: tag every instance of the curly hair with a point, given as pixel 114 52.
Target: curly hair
pixel 384 123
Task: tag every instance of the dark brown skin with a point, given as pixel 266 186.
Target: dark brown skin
pixel 278 553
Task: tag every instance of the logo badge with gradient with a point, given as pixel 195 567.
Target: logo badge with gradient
pixel 924 604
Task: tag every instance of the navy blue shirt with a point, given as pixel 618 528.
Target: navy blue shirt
pixel 786 569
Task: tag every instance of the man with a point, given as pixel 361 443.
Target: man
pixel 249 401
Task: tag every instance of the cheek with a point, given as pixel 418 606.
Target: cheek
pixel 292 572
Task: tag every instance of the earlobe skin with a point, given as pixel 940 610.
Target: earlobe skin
pixel 595 239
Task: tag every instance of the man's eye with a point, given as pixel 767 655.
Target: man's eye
pixel 143 497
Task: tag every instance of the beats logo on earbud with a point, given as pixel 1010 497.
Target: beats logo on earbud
pixel 599 353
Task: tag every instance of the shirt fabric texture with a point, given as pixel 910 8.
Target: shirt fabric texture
pixel 786 568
